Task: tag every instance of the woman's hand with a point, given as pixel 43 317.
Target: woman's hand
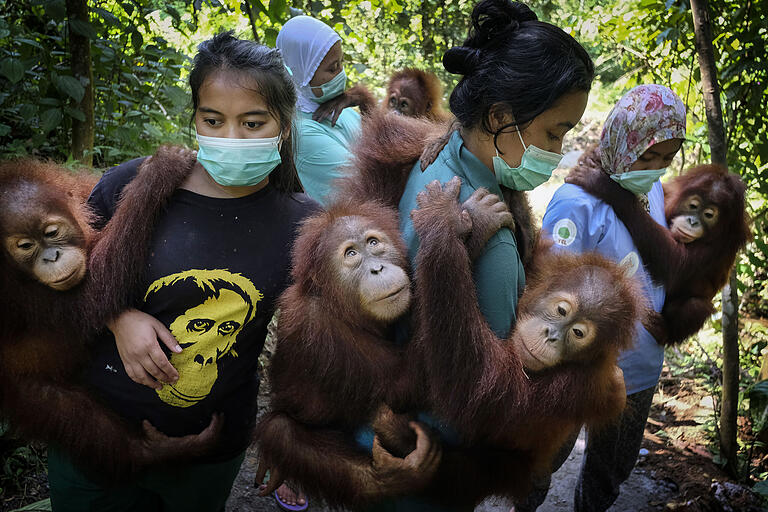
pixel 357 96
pixel 136 335
pixel 398 476
pixel 156 447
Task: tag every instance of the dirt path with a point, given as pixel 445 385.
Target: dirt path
pixel 639 493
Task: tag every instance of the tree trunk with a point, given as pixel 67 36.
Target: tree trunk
pixel 427 31
pixel 80 56
pixel 718 147
pixel 252 19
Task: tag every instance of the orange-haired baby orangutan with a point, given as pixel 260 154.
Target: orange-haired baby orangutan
pixel 416 93
pixel 707 227
pixel 519 397
pixel 48 309
pixel 336 360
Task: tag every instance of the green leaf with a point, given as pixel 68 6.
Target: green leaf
pixel 270 36
pixel 30 42
pixel 50 119
pixel 760 389
pixel 761 488
pixel 27 111
pixel 56 9
pixel 177 95
pixel 137 40
pixel 83 28
pixel 277 10
pixel 41 506
pixel 75 113
pixel 107 16
pixel 12 69
pixel 71 86
pixel 256 4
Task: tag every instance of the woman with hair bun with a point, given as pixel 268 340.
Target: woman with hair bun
pixel 524 85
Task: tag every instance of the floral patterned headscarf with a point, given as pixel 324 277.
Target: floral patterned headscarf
pixel 644 116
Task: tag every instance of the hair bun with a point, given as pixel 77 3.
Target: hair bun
pixel 494 20
pixel 461 60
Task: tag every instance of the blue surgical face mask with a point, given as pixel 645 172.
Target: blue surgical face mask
pixel 638 182
pixel 331 88
pixel 535 168
pixel 238 162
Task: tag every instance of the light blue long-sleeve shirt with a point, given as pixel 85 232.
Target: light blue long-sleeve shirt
pixel 498 272
pixel 321 151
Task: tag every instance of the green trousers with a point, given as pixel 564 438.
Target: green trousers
pixel 188 487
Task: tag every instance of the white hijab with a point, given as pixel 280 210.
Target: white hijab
pixel 304 42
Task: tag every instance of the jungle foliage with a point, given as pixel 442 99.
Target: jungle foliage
pixel 141 49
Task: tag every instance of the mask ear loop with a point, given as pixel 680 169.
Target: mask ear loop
pixel 521 142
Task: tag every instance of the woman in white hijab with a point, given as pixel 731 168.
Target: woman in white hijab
pixel 325 128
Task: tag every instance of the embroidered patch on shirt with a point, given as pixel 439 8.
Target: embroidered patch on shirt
pixel 631 263
pixel 564 232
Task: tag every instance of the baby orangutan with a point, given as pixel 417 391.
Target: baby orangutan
pixel 514 401
pixel 336 359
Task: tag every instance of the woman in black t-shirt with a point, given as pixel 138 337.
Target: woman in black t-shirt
pixel 217 262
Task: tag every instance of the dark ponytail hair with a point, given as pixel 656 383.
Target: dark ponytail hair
pixel 265 67
pixel 513 61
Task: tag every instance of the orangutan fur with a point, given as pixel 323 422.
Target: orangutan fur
pixel 691 272
pixel 416 93
pixel 43 332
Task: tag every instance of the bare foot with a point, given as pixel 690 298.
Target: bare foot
pixel 290 497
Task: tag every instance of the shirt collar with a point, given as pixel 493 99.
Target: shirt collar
pixel 469 167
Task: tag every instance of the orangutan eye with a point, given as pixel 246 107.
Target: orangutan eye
pixel 578 332
pixel 350 252
pixel 709 214
pixel 227 328
pixel 200 325
pixel 392 101
pixel 51 231
pixel 561 311
pixel 372 241
pixel 25 245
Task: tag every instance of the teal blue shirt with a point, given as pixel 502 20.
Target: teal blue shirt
pixel 321 150
pixel 498 272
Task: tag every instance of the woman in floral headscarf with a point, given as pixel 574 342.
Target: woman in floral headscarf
pixel 641 136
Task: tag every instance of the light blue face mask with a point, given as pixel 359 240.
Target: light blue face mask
pixel 638 182
pixel 238 162
pixel 331 88
pixel 535 168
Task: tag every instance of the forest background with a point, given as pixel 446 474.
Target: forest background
pixel 102 81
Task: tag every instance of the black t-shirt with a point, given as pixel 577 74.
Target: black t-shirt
pixel 214 272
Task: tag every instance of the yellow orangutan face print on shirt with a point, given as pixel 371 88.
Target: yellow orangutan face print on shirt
pixel 207 331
